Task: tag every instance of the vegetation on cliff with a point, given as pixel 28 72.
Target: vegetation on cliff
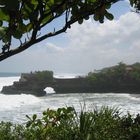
pixel 121 78
pixel 118 77
pixel 66 124
pixel 38 76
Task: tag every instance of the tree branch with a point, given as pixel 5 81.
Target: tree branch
pixel 16 51
pixel 34 38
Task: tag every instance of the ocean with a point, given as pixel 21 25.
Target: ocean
pixel 14 108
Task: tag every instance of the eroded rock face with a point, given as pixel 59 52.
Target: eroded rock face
pixel 33 83
pixel 12 90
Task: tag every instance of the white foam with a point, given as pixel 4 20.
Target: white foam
pixel 6 81
pixel 49 90
pixel 123 95
pixel 8 102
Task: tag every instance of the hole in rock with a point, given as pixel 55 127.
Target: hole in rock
pixel 49 90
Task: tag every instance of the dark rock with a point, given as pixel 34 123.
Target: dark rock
pixel 33 83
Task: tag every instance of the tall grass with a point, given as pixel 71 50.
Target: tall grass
pixel 66 124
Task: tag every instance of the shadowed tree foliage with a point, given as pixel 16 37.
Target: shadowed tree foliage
pixel 135 4
pixel 24 20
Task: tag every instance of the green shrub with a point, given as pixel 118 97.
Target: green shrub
pixel 66 124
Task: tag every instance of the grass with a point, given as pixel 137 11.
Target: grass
pixel 66 124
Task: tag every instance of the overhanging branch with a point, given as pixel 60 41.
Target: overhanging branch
pixel 33 40
pixel 16 51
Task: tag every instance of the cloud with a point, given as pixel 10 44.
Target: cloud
pixel 108 43
pixel 52 49
pixel 90 46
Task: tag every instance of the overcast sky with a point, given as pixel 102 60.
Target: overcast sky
pixel 84 47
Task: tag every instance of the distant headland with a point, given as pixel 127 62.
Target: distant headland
pixel 120 78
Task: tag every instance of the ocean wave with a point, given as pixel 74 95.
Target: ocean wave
pixel 6 81
pixel 121 95
pixel 8 102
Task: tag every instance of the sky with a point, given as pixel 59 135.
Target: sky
pixel 85 47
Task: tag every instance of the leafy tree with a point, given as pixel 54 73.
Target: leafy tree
pixel 23 20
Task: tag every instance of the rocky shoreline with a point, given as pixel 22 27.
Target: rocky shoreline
pixel 110 80
pixel 35 83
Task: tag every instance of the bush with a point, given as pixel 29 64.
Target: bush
pixel 66 124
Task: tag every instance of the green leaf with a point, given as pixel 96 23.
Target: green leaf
pixel 34 117
pixel 51 1
pixel 17 34
pixel 4 15
pixel 92 1
pixel 22 27
pixel 35 2
pixel 46 19
pixel 80 21
pixel 44 113
pixel 3 35
pixel 29 27
pixel 2 32
pixel 109 16
pixel 6 38
pixel 57 1
pixel 101 19
pixel 108 6
pixel 59 11
pixel 74 10
pixel 28 124
pixel 28 117
pixel 86 18
pixel 96 17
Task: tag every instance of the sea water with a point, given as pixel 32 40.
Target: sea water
pixel 15 107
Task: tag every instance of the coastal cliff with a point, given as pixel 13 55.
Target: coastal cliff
pixel 35 83
pixel 121 78
pixel 31 83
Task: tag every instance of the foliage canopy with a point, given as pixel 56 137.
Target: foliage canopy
pixel 122 77
pixel 25 19
pixel 67 124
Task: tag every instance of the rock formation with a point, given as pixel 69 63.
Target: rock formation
pixel 35 83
